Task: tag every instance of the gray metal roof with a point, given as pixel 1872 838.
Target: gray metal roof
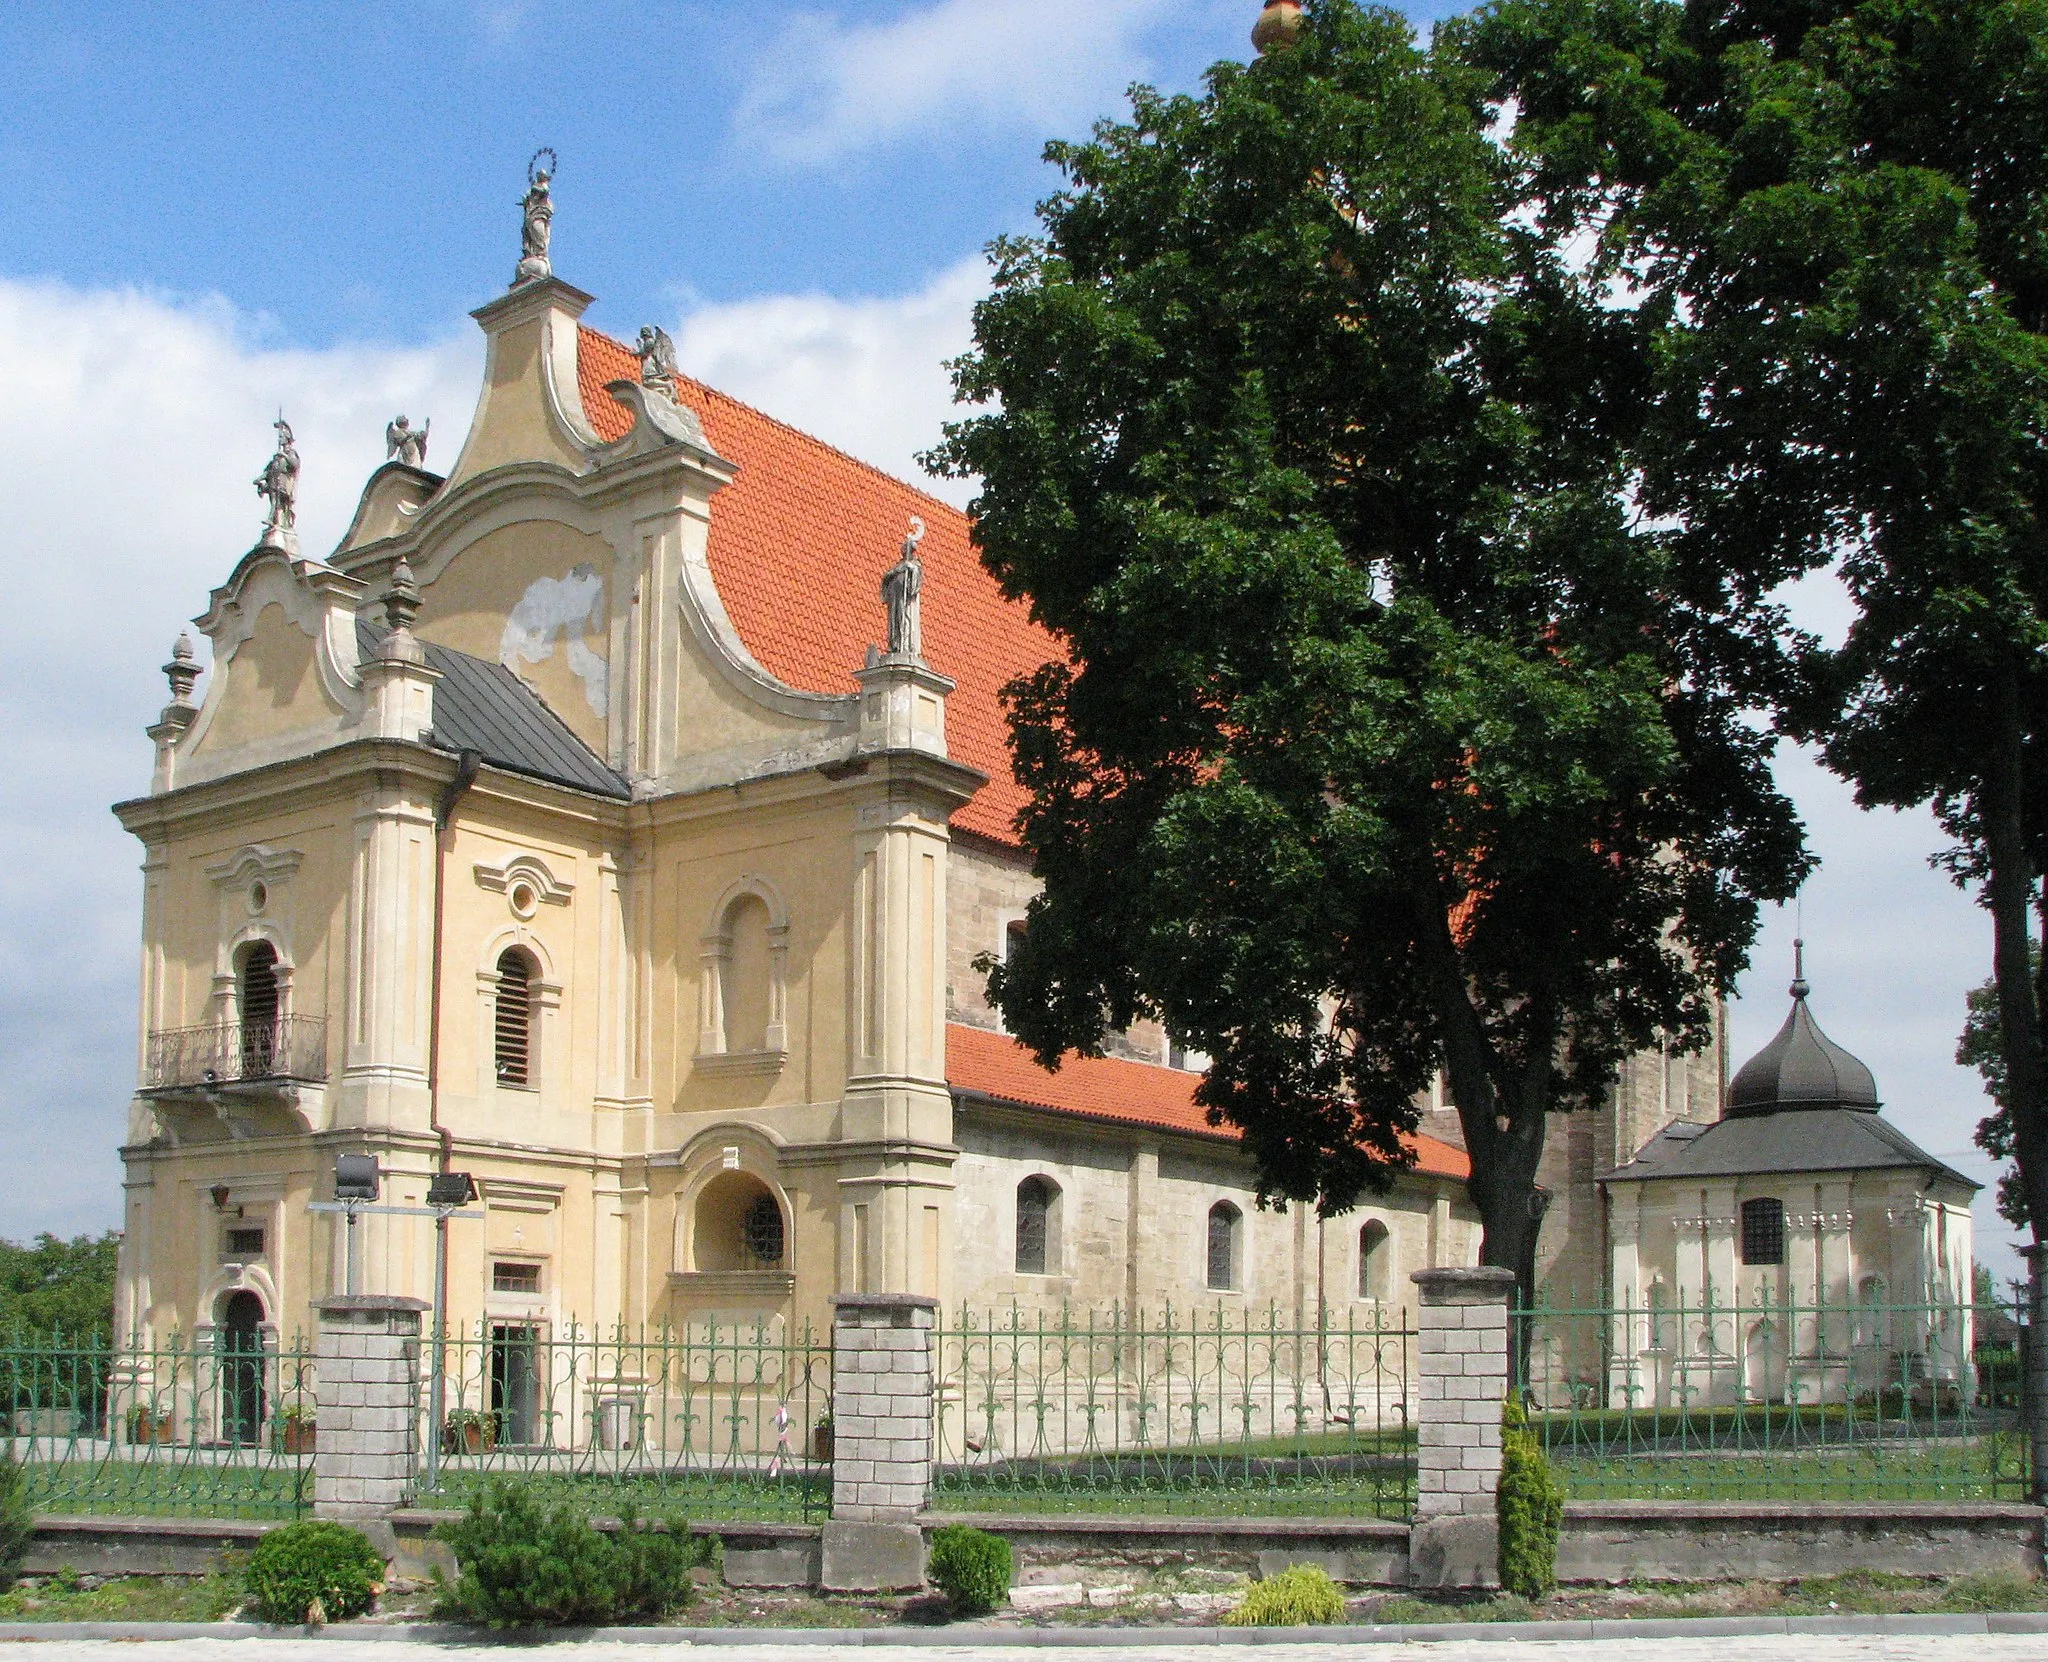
pixel 486 708
pixel 1813 1139
pixel 1801 1068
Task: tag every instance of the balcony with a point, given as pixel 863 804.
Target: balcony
pixel 283 1048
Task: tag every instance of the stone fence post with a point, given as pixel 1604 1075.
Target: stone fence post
pixel 1462 1363
pixel 881 1440
pixel 368 1370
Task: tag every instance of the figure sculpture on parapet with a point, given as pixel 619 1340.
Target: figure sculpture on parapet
pixel 406 442
pixel 278 485
pixel 657 360
pixel 902 584
pixel 537 227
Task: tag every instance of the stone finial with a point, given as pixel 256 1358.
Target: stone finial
pixel 1278 27
pixel 657 360
pixel 537 226
pixel 183 670
pixel 902 586
pixel 406 442
pixel 278 485
pixel 401 600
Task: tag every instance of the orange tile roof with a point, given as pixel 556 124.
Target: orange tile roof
pixel 799 542
pixel 1101 1087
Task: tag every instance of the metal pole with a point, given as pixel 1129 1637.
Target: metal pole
pixel 437 1389
pixel 355 1271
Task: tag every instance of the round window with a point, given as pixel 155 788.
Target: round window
pixel 523 901
pixel 761 1230
pixel 259 897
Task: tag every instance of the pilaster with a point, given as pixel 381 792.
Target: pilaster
pixel 384 1082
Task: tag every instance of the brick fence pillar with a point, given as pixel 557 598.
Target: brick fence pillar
pixel 881 1440
pixel 1462 1362
pixel 368 1372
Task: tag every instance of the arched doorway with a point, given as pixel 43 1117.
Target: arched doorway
pixel 239 1343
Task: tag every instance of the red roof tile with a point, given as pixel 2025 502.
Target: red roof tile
pixel 799 542
pixel 1104 1088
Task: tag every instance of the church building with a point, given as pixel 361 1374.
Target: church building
pixel 616 816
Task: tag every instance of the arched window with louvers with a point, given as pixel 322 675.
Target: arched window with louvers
pixel 514 1051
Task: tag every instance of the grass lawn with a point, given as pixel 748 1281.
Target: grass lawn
pixel 1895 1471
pixel 65 1597
pixel 166 1488
pixel 742 1498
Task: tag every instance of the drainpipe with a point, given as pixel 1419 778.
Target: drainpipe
pixel 467 764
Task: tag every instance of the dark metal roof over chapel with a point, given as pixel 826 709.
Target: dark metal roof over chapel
pixel 1802 1067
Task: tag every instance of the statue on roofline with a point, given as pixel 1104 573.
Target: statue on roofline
pixel 902 584
pixel 538 224
pixel 278 485
pixel 406 442
pixel 657 360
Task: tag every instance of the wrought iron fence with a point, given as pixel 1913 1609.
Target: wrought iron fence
pixel 1772 1398
pixel 1225 1412
pixel 717 1419
pixel 217 1426
pixel 226 1053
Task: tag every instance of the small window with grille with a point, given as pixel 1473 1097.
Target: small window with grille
pixel 1037 1226
pixel 1763 1232
pixel 509 1277
pixel 1225 1224
pixel 242 1244
pixel 761 1231
pixel 514 1029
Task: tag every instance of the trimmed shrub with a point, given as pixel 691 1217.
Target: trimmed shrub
pixel 17 1523
pixel 313 1572
pixel 525 1565
pixel 971 1567
pixel 1531 1508
pixel 1302 1596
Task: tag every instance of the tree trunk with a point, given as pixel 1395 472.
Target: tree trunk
pixel 2009 894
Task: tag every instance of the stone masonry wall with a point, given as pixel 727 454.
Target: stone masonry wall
pixel 368 1362
pixel 881 1406
pixel 1462 1346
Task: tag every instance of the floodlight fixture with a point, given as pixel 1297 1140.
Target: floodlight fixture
pixel 451 1188
pixel 356 1177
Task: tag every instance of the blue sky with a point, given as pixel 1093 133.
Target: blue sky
pixel 212 209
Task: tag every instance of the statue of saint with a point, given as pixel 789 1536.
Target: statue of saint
pixel 278 485
pixel 901 585
pixel 405 442
pixel 537 227
pixel 657 360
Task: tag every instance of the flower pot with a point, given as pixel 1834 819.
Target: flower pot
pixel 821 1442
pixel 298 1436
pixel 149 1430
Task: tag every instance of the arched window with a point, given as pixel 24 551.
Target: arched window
pixel 1375 1260
pixel 256 996
pixel 1038 1246
pixel 1226 1223
pixel 1763 1232
pixel 739 1225
pixel 514 1019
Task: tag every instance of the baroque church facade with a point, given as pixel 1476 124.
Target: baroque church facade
pixel 564 825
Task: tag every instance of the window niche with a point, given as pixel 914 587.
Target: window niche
pixel 1375 1261
pixel 1038 1227
pixel 738 1239
pixel 1226 1248
pixel 517 1004
pixel 743 1001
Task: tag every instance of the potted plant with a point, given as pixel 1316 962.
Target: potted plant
pixel 468 1431
pixel 149 1425
pixel 821 1438
pixel 296 1430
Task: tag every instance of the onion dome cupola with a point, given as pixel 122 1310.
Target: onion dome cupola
pixel 1801 1068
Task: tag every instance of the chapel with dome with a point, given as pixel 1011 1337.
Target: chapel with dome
pixel 1799 1248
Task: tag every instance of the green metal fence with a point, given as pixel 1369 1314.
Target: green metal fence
pixel 1225 1412
pixel 1771 1398
pixel 216 1426
pixel 718 1420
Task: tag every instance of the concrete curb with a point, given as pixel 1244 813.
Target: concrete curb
pixel 969 1633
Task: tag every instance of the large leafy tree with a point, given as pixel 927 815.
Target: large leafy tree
pixel 57 1287
pixel 1388 737
pixel 1839 213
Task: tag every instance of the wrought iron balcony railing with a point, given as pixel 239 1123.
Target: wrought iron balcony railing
pixel 237 1052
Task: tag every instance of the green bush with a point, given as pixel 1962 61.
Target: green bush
pixel 1531 1507
pixel 17 1523
pixel 314 1572
pixel 1297 1597
pixel 971 1567
pixel 526 1565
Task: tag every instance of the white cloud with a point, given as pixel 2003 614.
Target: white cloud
pixel 824 87
pixel 867 375
pixel 133 426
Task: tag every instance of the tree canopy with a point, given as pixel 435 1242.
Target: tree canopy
pixel 58 1286
pixel 1391 736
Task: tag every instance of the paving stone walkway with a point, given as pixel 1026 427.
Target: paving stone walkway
pixel 1804 1647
